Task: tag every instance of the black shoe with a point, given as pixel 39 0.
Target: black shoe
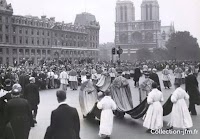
pixel 193 113
pixel 170 128
pixel 148 131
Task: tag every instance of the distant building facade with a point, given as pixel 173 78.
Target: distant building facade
pixel 131 34
pixel 35 39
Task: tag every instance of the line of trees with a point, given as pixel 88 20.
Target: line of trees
pixel 180 46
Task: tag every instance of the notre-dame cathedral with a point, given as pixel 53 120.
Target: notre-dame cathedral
pixel 131 34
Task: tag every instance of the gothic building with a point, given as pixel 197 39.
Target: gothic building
pixel 131 34
pixel 33 38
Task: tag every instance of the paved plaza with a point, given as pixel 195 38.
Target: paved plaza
pixel 126 128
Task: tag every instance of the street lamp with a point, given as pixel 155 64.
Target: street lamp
pixel 119 52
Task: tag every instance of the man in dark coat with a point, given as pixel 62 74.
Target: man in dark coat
pixel 136 76
pixel 65 123
pixel 23 80
pixel 31 93
pixel 154 76
pixel 191 86
pixel 18 113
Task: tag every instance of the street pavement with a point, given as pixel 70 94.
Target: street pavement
pixel 126 128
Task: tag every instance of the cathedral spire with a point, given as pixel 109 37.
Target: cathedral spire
pixel 150 10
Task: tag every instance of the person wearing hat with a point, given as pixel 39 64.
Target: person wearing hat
pixel 121 93
pixel 18 113
pixel 31 93
pixel 145 87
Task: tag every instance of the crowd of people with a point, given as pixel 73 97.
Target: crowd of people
pixel 20 85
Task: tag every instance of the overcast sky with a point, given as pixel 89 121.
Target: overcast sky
pixel 184 13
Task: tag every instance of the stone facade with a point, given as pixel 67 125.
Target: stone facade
pixel 33 38
pixel 131 34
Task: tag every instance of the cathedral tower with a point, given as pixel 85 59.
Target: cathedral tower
pixel 149 10
pixel 125 11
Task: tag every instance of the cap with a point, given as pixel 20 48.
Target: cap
pixel 16 89
pixel 7 81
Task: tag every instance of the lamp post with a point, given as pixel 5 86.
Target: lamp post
pixel 119 52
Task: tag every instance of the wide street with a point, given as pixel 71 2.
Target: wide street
pixel 126 128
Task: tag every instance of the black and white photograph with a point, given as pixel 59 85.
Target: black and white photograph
pixel 99 69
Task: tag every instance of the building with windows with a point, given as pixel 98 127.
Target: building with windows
pixel 131 34
pixel 33 38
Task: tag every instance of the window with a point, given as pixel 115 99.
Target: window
pixel 43 32
pixel 26 40
pixel 1 28
pixel 38 41
pixel 43 41
pixel 20 30
pixel 32 41
pixel 1 50
pixel 14 39
pixel 20 40
pixel 38 33
pixel 7 28
pixel 7 39
pixel 0 18
pixel 32 32
pixel 26 31
pixel 48 34
pixel 14 29
pixel 14 51
pixel 1 37
pixel 48 42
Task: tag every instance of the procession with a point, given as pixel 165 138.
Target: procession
pixel 101 98
pixel 117 69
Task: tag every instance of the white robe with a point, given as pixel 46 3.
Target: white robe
pixel 64 77
pixel 107 105
pixel 154 115
pixel 180 116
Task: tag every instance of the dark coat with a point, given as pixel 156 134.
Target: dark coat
pixel 137 74
pixel 23 81
pixel 65 123
pixel 18 113
pixel 155 78
pixel 191 86
pixel 31 93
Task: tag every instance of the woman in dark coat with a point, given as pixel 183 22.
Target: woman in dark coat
pixel 136 76
pixel 191 86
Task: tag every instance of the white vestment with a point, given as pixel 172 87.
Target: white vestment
pixel 154 115
pixel 180 116
pixel 107 105
pixel 64 77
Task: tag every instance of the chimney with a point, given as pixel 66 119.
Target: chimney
pixel 52 19
pixel 43 17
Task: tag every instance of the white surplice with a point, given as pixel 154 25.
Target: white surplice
pixel 154 115
pixel 106 122
pixel 180 116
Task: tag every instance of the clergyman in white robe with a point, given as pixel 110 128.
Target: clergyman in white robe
pixel 180 116
pixel 107 105
pixel 154 115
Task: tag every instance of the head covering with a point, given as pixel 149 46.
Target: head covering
pixel 32 79
pixel 16 89
pixel 7 81
pixel 154 70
